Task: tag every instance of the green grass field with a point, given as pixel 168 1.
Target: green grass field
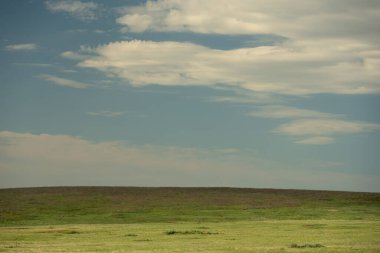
pixel 117 219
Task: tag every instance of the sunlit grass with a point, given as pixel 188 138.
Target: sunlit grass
pixel 187 220
pixel 249 236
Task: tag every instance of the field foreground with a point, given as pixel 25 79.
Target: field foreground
pixel 101 219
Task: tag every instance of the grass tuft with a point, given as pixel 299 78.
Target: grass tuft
pixel 189 232
pixel 302 246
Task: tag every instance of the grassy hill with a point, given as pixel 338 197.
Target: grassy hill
pixel 103 205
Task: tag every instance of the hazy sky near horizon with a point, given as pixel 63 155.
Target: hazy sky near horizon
pixel 244 93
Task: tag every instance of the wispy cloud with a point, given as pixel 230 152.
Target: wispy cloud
pixel 312 127
pixel 325 127
pixel 69 71
pixel 243 96
pixel 73 55
pixel 85 11
pixel 21 47
pixel 288 112
pixel 33 64
pixel 108 114
pixel 316 141
pixel 65 82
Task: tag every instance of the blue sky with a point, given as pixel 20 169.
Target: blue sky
pixel 190 93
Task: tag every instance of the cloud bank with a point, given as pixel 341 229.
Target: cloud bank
pixel 41 159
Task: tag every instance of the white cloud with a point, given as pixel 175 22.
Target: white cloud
pixel 43 159
pixel 331 48
pixel 292 68
pixel 21 47
pixel 82 10
pixel 289 18
pixel 65 82
pixel 325 127
pixel 105 113
pixel 137 22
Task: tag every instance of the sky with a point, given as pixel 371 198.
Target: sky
pixel 244 93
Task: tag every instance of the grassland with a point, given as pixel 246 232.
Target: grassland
pixel 107 219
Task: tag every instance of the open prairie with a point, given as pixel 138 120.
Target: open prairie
pixel 130 219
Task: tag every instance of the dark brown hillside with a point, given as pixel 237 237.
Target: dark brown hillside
pixel 141 204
